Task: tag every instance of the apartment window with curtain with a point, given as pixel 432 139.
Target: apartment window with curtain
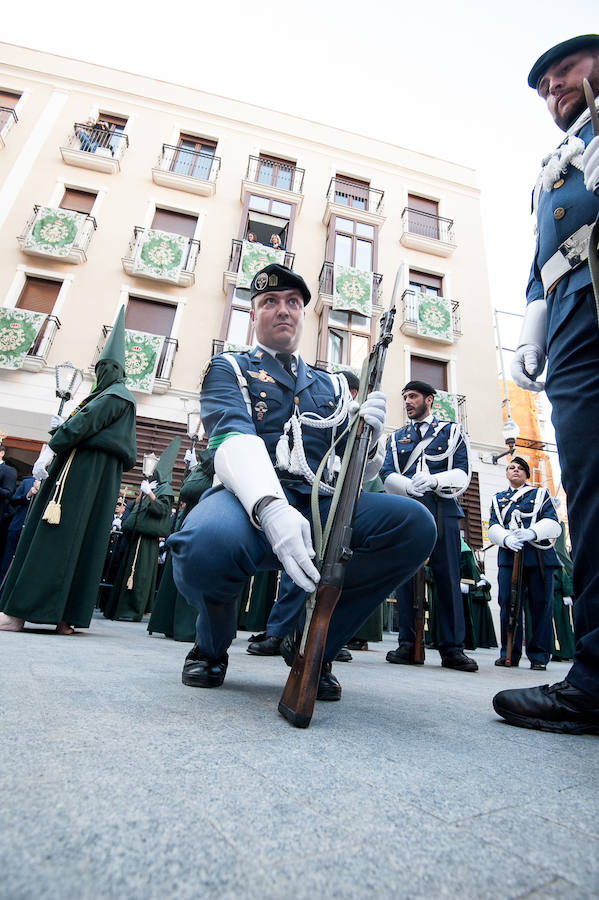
pixel 266 217
pixel 194 156
pixel 78 201
pixel 423 216
pixel 275 172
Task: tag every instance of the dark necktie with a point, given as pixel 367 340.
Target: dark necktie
pixel 286 360
pixel 420 429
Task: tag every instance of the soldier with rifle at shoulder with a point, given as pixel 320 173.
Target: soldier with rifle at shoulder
pixel 523 523
pixel 265 408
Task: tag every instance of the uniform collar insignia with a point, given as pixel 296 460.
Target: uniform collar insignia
pixel 258 354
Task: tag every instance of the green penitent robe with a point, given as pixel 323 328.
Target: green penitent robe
pixel 171 613
pixel 57 568
pixel 135 583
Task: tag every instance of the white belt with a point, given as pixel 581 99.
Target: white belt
pixel 570 254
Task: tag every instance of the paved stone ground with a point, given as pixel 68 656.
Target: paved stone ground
pixel 118 782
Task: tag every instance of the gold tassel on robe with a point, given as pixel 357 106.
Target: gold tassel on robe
pixel 53 510
pixel 132 572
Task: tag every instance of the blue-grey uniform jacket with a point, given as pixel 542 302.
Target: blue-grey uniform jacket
pixel 524 504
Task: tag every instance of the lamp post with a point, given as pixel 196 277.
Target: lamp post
pixel 194 424
pixel 68 382
pixel 510 433
pixel 148 465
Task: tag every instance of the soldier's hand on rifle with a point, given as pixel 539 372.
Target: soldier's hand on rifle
pixel 374 413
pixel 525 534
pixel 423 482
pixel 590 165
pixel 288 533
pixel 513 542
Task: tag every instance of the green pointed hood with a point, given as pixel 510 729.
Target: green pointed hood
pixel 164 470
pixel 114 348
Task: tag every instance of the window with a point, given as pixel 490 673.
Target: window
pixel 116 127
pixel 153 317
pixel 78 201
pixel 239 330
pixel 433 371
pixel 353 244
pixel 275 172
pixel 175 222
pixel 348 341
pixel 266 217
pixel 8 102
pixel 425 283
pixel 39 295
pixel 194 156
pixel 351 192
pixel 423 215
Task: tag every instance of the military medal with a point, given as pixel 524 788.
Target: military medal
pixel 260 408
pixel 261 376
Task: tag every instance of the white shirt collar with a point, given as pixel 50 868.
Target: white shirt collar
pixel 428 420
pixel 273 353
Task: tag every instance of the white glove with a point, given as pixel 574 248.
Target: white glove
pixel 147 487
pixel 191 458
pixel 423 482
pixel 529 358
pixel 56 421
pixel 374 413
pixel 513 542
pixel 465 588
pixel 525 535
pixel 288 533
pixel 400 485
pixel 568 601
pixel 117 522
pixel 590 165
pixel 41 464
pixel 483 583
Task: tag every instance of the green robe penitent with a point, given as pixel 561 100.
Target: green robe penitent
pixel 57 568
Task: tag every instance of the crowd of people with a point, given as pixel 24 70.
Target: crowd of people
pixel 276 427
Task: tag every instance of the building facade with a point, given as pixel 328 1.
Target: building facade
pixel 117 188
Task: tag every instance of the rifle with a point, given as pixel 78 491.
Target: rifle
pixel 299 695
pixel 515 603
pixel 419 602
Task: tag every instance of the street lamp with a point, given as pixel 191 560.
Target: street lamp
pixel 194 421
pixel 510 433
pixel 149 463
pixel 68 382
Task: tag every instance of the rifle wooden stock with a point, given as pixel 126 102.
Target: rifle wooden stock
pixel 514 607
pixel 419 593
pixel 298 698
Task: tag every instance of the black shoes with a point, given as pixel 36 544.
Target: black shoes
pixel 357 645
pixel 457 659
pixel 344 655
pixel 560 708
pixel 328 686
pixel 501 662
pixel 269 646
pixel 538 666
pixel 200 671
pixel 403 656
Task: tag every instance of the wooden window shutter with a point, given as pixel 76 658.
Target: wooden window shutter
pixel 470 503
pixel 175 222
pixel 149 315
pixel 9 99
pixel 433 371
pixel 80 201
pixel 39 295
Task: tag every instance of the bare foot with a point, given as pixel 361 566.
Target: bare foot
pixel 64 628
pixel 10 623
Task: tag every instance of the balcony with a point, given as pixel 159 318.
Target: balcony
pixel 95 148
pixel 187 170
pixel 426 232
pixel 162 377
pixel 36 358
pixel 232 270
pixel 350 199
pixel 409 320
pixel 8 118
pixel 162 256
pixel 59 234
pixel 275 179
pixel 325 290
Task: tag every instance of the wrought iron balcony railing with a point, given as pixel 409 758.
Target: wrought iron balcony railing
pixel 428 225
pixel 45 338
pixel 355 196
pixel 272 172
pixel 409 312
pixel 165 363
pixel 97 140
pixel 8 118
pixel 325 282
pixel 235 257
pixel 192 163
pixel 177 272
pixel 48 244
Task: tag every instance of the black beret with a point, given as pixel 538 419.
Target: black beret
pixel 278 278
pixel 423 387
pixel 522 462
pixel 352 379
pixel 555 54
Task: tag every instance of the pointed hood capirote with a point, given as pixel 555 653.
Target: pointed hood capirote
pixel 164 468
pixel 114 348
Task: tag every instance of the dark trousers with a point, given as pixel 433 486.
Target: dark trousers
pixel 218 548
pixel 573 389
pixel 539 591
pixel 289 608
pixel 445 565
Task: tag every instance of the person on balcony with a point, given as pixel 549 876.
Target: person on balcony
pixel 57 568
pixel 275 242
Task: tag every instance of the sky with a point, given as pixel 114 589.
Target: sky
pixel 444 78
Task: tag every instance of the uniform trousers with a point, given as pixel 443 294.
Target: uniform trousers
pixel 289 608
pixel 445 564
pixel 540 602
pixel 573 389
pixel 218 549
